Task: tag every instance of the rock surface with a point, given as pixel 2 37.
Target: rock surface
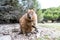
pixel 7 33
pixel 6 37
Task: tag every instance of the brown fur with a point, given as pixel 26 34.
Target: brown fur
pixel 28 20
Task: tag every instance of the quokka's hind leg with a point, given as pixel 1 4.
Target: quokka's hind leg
pixel 24 32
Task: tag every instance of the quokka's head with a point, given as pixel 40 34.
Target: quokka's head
pixel 30 14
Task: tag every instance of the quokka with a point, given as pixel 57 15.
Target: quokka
pixel 28 21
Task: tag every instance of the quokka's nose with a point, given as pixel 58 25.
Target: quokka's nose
pixel 29 17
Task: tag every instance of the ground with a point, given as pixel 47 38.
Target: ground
pixel 46 31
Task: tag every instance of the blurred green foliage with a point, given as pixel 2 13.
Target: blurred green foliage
pixel 51 13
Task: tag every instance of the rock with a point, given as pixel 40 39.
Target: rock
pixel 6 37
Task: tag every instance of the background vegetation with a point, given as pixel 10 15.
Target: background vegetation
pixel 12 10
